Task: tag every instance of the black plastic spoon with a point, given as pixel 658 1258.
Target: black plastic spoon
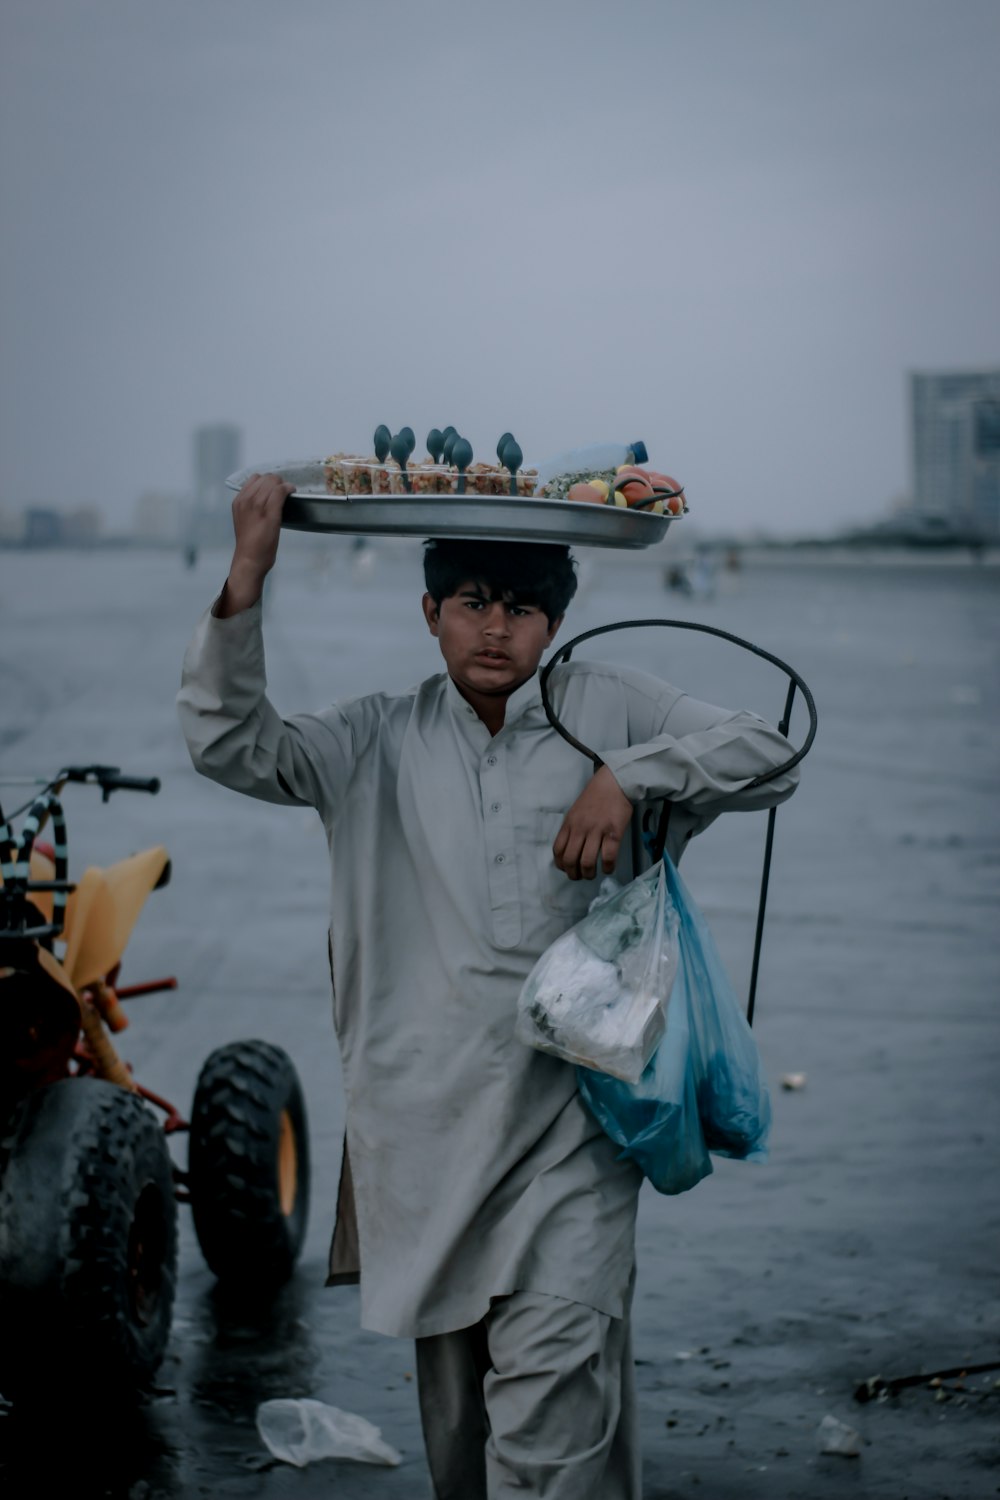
pixel 435 443
pixel 461 457
pixel 511 458
pixel 401 448
pixel 508 437
pixel 383 440
pixel 450 439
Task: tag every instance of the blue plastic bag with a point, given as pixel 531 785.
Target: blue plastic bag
pixel 702 1090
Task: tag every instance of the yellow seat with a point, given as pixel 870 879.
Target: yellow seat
pixel 102 911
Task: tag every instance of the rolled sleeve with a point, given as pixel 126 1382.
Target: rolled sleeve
pixel 706 757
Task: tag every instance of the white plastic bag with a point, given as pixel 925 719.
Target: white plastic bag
pixel 598 996
pixel 836 1437
pixel 299 1432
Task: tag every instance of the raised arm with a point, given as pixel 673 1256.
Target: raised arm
pixel 257 525
pixel 234 735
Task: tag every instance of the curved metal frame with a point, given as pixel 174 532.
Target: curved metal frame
pixel 659 842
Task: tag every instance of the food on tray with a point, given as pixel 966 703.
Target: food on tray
pixel 559 486
pixel 640 489
pixel 589 492
pixel 635 484
pixel 351 474
pixel 580 463
pixel 448 469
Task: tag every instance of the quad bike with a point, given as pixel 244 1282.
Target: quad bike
pixel 88 1189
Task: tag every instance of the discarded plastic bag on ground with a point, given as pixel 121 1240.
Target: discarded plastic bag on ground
pixel 836 1437
pixel 300 1432
pixel 702 1090
pixel 598 995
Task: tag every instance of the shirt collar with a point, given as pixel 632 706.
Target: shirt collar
pixel 520 703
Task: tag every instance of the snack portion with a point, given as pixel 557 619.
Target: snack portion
pixel 353 474
pixel 447 470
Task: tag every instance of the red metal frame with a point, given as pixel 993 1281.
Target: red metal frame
pixel 174 1121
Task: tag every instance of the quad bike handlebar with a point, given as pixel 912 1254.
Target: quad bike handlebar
pixel 18 918
pixel 109 779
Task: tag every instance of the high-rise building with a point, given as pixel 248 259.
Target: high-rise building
pixel 217 452
pixel 956 448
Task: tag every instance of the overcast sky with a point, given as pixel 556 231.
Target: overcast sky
pixel 729 227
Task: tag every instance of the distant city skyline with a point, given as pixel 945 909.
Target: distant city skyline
pixel 730 230
pixel 954 456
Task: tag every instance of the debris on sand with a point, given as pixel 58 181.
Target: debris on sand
pixel 836 1437
pixel 299 1432
pixel 877 1389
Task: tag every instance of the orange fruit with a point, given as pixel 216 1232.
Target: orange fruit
pixel 584 491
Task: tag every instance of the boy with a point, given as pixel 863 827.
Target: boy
pixel 483 1210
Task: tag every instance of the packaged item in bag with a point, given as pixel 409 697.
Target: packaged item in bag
pixel 703 1090
pixel 599 994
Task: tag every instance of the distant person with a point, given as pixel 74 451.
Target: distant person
pixel 484 1211
pixel 703 576
pixel 676 579
pixel 362 557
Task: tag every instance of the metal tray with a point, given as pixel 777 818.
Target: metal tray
pixel 494 517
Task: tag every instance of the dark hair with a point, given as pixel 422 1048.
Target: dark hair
pixel 536 573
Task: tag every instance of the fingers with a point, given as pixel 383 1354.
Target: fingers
pixel 589 855
pixel 592 830
pixel 263 491
pixel 567 849
pixel 259 504
pixel 579 851
pixel 610 845
pixel 257 511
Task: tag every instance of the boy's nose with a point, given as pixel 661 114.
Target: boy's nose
pixel 496 622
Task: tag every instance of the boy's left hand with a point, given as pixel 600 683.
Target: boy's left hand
pixel 593 829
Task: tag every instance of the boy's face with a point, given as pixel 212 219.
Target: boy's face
pixel 490 646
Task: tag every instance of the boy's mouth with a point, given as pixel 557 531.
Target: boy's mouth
pixel 487 654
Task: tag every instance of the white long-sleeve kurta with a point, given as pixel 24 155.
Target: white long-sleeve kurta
pixel 474 1169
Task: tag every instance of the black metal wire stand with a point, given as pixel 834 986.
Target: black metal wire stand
pixel 660 839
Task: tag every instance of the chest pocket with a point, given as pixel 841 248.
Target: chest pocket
pixel 568 898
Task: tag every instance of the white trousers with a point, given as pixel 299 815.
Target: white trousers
pixel 536 1400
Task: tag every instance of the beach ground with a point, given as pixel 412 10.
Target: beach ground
pixel 867 1246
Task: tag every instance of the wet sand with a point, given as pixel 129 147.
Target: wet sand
pixel 867 1245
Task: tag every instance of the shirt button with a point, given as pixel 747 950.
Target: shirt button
pixel 491 760
pixel 495 806
pixel 500 858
